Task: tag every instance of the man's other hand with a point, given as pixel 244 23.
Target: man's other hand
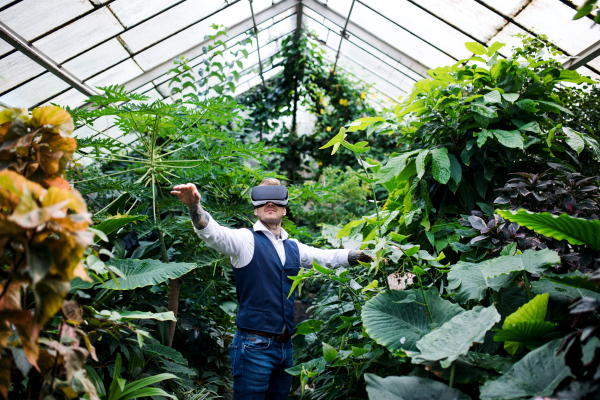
pixel 188 194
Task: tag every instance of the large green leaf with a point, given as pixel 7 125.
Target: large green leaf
pixel 156 349
pixel 395 321
pixel 440 165
pixel 561 227
pixel 113 224
pixel 455 338
pixel 135 388
pixel 511 139
pixel 476 48
pixel 534 262
pixel 574 139
pixel 561 292
pixel 536 374
pixel 142 273
pixel 394 166
pixel 469 283
pixel 409 388
pixel 525 325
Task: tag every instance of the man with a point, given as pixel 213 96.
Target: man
pixel 262 257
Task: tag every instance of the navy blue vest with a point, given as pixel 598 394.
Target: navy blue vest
pixel 263 285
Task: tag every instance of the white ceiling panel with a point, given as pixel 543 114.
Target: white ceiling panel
pixel 507 36
pixel 130 12
pixel 33 18
pixel 71 98
pixel 169 22
pixel 97 59
pixel 117 75
pixel 35 91
pixel 15 69
pixel 80 35
pixel 507 7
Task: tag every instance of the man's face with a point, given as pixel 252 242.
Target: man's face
pixel 270 213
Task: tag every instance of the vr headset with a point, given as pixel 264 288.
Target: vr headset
pixel 261 195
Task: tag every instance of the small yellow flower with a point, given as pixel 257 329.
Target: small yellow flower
pixel 363 95
pixel 374 96
pixel 344 102
pixel 328 129
pixel 322 111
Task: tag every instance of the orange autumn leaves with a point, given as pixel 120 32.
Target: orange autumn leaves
pixel 37 145
pixel 43 232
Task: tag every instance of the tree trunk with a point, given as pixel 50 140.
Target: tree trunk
pixel 174 286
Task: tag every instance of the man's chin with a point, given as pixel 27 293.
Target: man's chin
pixel 271 220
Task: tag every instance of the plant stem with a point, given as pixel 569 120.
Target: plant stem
pixel 425 299
pixel 373 190
pixel 527 285
pixel 452 374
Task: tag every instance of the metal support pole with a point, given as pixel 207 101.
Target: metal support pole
pixel 342 38
pixel 18 42
pixel 260 69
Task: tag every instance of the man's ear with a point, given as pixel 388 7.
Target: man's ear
pixel 284 211
pixel 256 211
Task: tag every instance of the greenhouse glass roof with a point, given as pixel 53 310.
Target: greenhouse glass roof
pixel 58 51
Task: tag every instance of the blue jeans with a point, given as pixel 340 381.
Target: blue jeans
pixel 258 367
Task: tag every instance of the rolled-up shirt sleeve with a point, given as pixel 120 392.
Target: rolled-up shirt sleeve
pixel 327 258
pixel 238 244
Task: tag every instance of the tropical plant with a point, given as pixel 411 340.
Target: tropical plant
pixel 44 233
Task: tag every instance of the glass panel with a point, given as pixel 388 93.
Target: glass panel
pixel 587 72
pixel 169 22
pixel 416 21
pixel 97 59
pixel 130 12
pixel 117 75
pixel 79 36
pixel 595 63
pixel 318 17
pixel 33 18
pixel 319 29
pixel 35 91
pixel 17 68
pixel 555 19
pixel 192 36
pixel 471 17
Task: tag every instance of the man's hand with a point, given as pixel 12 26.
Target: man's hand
pixel 188 194
pixel 355 256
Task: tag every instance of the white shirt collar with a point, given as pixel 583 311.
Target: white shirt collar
pixel 258 226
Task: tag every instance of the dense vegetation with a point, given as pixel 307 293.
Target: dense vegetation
pixel 477 198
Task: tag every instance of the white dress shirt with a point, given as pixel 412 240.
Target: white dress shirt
pixel 238 244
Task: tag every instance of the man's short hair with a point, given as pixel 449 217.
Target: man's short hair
pixel 270 182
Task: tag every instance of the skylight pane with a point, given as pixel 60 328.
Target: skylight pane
pixel 417 21
pixel 32 18
pixel 507 7
pixel 117 75
pixel 471 17
pixel 71 98
pixel 506 36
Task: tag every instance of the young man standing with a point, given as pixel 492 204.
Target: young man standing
pixel 262 257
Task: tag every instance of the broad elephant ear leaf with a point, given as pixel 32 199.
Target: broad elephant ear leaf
pixel 561 227
pixel 534 262
pixel 399 325
pixel 455 337
pixel 113 224
pixel 469 283
pixel 140 273
pixel 409 388
pixel 536 374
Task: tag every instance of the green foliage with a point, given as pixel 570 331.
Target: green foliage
pixel 140 273
pixel 573 230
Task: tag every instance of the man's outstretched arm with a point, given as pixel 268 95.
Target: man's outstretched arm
pixel 199 217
